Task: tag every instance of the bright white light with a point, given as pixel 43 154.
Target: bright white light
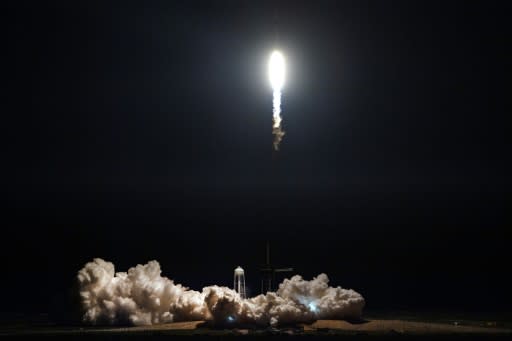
pixel 312 307
pixel 276 70
pixel 231 318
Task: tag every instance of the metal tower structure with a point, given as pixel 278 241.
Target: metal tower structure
pixel 268 273
pixel 239 282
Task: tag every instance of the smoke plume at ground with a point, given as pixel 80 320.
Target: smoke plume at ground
pixel 142 296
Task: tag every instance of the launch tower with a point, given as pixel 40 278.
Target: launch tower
pixel 268 273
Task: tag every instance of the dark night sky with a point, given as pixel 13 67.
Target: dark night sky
pixel 142 130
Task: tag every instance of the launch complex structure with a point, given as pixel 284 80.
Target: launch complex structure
pixel 268 276
pixel 268 273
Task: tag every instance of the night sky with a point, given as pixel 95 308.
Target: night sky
pixel 141 130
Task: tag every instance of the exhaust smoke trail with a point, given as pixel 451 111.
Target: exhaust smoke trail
pixel 276 70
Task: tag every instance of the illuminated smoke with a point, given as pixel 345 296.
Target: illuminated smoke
pixel 142 296
pixel 276 70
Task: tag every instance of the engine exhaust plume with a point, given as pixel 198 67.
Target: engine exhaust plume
pixel 276 72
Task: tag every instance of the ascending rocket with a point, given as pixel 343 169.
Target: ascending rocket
pixel 276 74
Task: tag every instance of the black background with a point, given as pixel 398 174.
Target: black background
pixel 142 130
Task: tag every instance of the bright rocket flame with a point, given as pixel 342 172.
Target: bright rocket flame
pixel 276 70
pixel 276 73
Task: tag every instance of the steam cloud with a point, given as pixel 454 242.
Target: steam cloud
pixel 142 296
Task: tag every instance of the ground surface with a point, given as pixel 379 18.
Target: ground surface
pixel 403 327
pixel 374 328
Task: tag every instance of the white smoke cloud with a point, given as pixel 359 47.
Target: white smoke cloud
pixel 142 296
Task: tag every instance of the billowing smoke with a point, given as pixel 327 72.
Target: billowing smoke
pixel 276 71
pixel 142 296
